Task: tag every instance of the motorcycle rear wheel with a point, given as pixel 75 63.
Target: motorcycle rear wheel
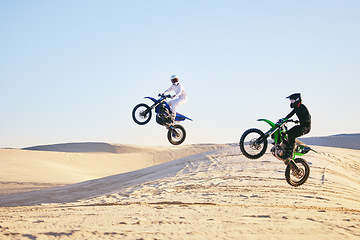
pixel 141 114
pixel 296 178
pixel 249 146
pixel 176 134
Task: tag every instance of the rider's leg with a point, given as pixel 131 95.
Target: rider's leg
pixel 173 105
pixel 293 133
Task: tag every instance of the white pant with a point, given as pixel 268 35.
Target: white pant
pixel 176 103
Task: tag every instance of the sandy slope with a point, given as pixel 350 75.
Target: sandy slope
pixel 349 141
pixel 214 195
pixel 61 164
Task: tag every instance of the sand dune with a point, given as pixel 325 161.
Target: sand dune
pixel 91 147
pixel 349 141
pixel 213 192
pixel 22 170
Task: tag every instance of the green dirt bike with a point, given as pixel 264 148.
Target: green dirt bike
pixel 253 144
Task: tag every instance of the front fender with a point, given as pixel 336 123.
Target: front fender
pixel 151 98
pixel 269 122
pixel 276 134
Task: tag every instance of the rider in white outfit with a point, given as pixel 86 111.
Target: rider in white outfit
pixel 180 93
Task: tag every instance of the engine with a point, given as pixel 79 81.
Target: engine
pixel 163 116
pixel 278 150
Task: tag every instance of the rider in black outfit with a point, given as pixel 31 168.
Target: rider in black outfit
pixel 305 122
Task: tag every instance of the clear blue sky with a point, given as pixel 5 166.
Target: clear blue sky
pixel 72 71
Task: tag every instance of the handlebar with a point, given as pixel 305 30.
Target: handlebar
pixel 294 121
pixel 284 120
pixel 164 96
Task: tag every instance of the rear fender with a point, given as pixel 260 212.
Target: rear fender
pixel 302 150
pixel 179 117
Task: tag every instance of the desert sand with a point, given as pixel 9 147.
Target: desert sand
pixel 208 191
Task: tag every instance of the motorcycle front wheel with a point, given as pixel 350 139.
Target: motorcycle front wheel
pixel 297 177
pixel 141 114
pixel 253 143
pixel 176 134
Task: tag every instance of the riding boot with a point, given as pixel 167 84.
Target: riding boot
pixel 289 150
pixel 173 116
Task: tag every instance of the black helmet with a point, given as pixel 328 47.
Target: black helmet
pixel 295 100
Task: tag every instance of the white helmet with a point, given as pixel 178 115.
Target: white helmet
pixel 174 79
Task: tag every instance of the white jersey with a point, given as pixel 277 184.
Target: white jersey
pixel 178 89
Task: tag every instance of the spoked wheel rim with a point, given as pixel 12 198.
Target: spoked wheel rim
pixel 251 145
pixel 141 114
pixel 297 177
pixel 176 135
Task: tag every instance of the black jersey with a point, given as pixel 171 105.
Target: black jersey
pixel 303 115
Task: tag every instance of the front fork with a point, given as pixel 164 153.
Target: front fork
pixel 150 109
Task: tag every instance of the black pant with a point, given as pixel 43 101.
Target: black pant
pixel 295 132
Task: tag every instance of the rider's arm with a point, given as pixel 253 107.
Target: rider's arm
pixel 290 114
pixel 179 90
pixel 169 89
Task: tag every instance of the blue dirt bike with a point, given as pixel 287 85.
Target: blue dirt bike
pixel 142 113
pixel 253 144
